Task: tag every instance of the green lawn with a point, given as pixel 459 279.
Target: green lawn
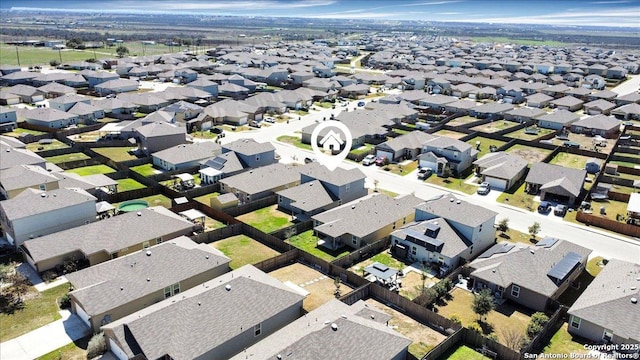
pixel 206 199
pixel 307 242
pixel 401 131
pixel 462 353
pixel 326 105
pixel 92 170
pixel 569 160
pixel 39 310
pixel 155 200
pixel 518 198
pixel 244 250
pixel 485 144
pixel 116 154
pixel 76 350
pixel 146 170
pixel 59 159
pixel 521 134
pixel 400 169
pixel 564 343
pixel 129 184
pixel 267 219
pixel 362 149
pixel 383 258
pixel 204 135
pixel 452 183
pixel 294 140
pixel 19 131
pixel 55 144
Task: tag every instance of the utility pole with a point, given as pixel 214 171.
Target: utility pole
pixel 60 55
pixel 18 55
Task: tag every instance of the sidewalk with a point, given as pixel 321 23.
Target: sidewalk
pixel 36 280
pixel 45 339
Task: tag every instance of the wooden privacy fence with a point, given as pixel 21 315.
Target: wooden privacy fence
pixel 602 222
pixel 537 343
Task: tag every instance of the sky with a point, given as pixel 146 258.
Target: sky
pixel 617 13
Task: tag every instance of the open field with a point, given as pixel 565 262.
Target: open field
pixel 92 170
pixel 116 154
pixel 307 242
pixel 244 250
pixel 267 219
pixel 321 288
pixel 531 154
pixel 485 144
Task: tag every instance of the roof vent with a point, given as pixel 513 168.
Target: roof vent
pixel 279 357
pixel 199 303
pixel 458 202
pixel 148 253
pixel 451 200
pixel 206 257
pixel 334 327
pixel 634 300
pixel 633 288
pixel 139 213
pixel 8 150
pixel 531 251
pixel 228 287
pixel 353 206
pixel 43 195
pixel 121 288
pixel 148 279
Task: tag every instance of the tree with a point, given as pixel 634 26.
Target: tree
pixel 534 229
pixel 122 51
pixel 75 43
pixel 483 303
pixel 337 282
pixel 11 296
pixel 503 225
pixel 513 338
pixel 97 346
pixel 536 324
pixel 54 62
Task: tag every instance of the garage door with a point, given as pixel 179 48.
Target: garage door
pixel 82 314
pixel 498 184
pixel 115 349
pixel 386 154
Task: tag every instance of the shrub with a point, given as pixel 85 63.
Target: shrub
pixel 49 276
pixel 97 346
pixel 475 327
pixel 54 62
pixel 456 319
pixel 536 324
pixel 65 302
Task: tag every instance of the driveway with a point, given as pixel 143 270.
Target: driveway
pixel 45 339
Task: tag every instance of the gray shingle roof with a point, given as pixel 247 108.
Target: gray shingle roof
pixel 23 176
pixel 263 178
pixel 185 153
pixel 454 243
pixel 450 208
pixel 544 174
pixel 337 177
pixel 109 235
pixel 501 165
pixel 308 196
pixel 159 129
pixel 205 317
pixel 525 266
pixel 111 284
pixel 600 122
pixel 412 140
pixel 10 157
pixel 607 300
pixel 248 147
pixel 29 203
pixel 357 337
pixel 560 116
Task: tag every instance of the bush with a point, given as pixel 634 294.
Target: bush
pixel 65 302
pixel 49 276
pixel 536 324
pixel 475 327
pixel 54 62
pixel 456 319
pixel 97 346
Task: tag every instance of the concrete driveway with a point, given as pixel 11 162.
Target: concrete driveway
pixel 45 339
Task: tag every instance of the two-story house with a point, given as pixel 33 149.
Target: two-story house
pixel 446 156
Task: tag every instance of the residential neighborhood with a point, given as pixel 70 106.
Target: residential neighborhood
pixel 172 206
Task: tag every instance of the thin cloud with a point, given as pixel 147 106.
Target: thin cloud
pixel 235 5
pixel 610 2
pixel 444 2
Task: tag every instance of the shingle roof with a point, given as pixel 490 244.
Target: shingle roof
pixel 501 165
pixel 263 178
pixel 338 177
pixel 449 207
pixel 308 196
pixel 111 284
pixel 555 175
pixel 10 157
pixel 205 317
pixel 185 153
pixel 28 203
pixel 22 176
pixel 560 116
pixel 225 163
pixel 159 129
pixel 607 300
pixel 109 235
pixel 248 147
pixel 412 140
pixel 567 101
pixel 600 122
pixel 453 242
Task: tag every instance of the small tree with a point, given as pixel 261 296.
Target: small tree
pixel 482 303
pixel 534 229
pixel 54 62
pixel 536 324
pixel 97 346
pixel 75 43
pixel 513 338
pixel 11 295
pixel 503 225
pixel 122 51
pixel 337 282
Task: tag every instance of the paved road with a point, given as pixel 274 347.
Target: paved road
pixel 629 86
pixel 603 243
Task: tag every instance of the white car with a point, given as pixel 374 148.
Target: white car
pixel 270 120
pixel 369 160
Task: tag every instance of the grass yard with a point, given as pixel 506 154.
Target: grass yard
pixel 206 199
pixel 423 337
pixel 55 144
pixel 505 316
pixel 128 184
pixel 521 134
pixel 383 258
pixel 156 200
pixel 76 350
pixel 449 133
pixel 307 242
pixel 116 154
pixel 389 193
pixel 267 219
pixel 514 236
pixel 59 159
pixel 494 126
pixel 212 224
pixel 295 141
pixel 569 160
pixel 564 343
pixel 39 309
pixel 244 250
pixel 19 131
pixel 92 170
pixel 463 120
pixel 485 144
pixel 452 183
pixel 321 287
pixel 529 153
pixel 362 149
pixel 146 170
pixel 463 353
pixel 518 198
pixel 403 168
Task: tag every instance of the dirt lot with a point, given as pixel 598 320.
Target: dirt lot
pixel 449 133
pixel 424 338
pixel 586 142
pixel 321 288
pixel 494 126
pixel 463 120
pixel 528 153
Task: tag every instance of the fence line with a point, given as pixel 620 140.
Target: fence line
pixel 536 344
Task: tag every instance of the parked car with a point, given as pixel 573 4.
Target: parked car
pixel 360 103
pixel 544 207
pixel 255 124
pixel 216 130
pixel 308 160
pixel 369 160
pixel 572 144
pixel 381 160
pixel 424 173
pixel 560 210
pixel 484 188
pixel 270 119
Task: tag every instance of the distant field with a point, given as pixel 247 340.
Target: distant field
pixel 498 39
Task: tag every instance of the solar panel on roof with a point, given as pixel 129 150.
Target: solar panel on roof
pixel 423 240
pixel 497 249
pixel 547 242
pixel 565 266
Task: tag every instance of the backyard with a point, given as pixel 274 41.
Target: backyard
pixel 155 200
pixel 463 352
pixel 54 144
pixel 307 242
pixel 206 199
pixel 128 184
pixel 450 133
pixel 485 144
pixel 267 219
pixel 529 136
pixel 116 154
pixel 505 317
pixel 463 120
pixel 494 126
pixel 244 250
pixel 564 343
pixel 146 170
pixel 92 170
pixel 321 287
pixel 529 153
pixel 569 160
pixel 59 159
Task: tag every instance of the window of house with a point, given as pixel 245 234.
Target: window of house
pixel 279 198
pixel 575 322
pixel 394 226
pixel 455 154
pixel 354 239
pixel 43 187
pixel 158 240
pixel 176 288
pixel 480 229
pixel 414 250
pixel 257 330
pixel 607 336
pixel 145 244
pixel 404 220
pixel 515 291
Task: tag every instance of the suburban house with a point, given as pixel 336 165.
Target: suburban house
pixel 107 239
pixel 555 182
pixel 533 276
pixel 446 232
pixel 500 169
pixel 364 220
pixel 14 153
pixel 340 331
pixel 17 179
pixel 185 156
pixel 407 146
pixel 114 289
pixel 558 119
pixel 446 156
pixel 28 94
pixel 633 208
pixel 158 136
pixel 35 213
pixel 50 118
pixel 599 106
pixel 251 153
pixel 624 112
pixel 260 182
pixel 605 126
pixel 523 114
pixel 607 311
pixel 243 306
pixel 8 119
pixel 568 102
pixel 214 169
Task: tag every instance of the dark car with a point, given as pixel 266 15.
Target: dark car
pixel 544 207
pixel 560 210
pixel 216 130
pixel 572 144
pixel 360 103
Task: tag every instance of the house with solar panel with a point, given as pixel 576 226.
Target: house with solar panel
pixel 533 276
